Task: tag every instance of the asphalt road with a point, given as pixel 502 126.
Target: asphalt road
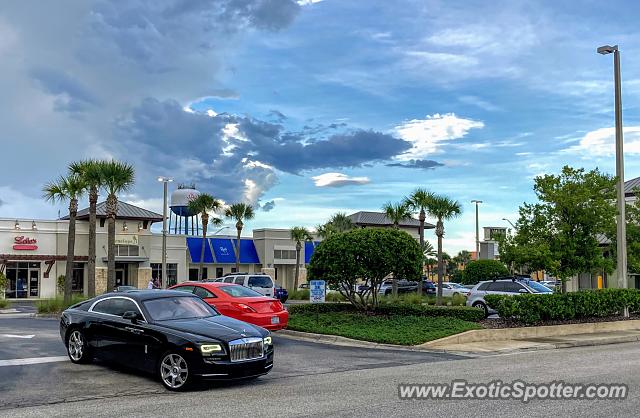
pixel 53 380
pixel 313 380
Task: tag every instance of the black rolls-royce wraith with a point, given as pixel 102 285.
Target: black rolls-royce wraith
pixel 175 335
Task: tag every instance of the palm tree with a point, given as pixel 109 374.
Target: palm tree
pixel 67 188
pixel 91 174
pixel 463 258
pixel 299 234
pixel 442 208
pixel 240 212
pixel 117 177
pixel 324 231
pixel 396 212
pixel 203 204
pixel 418 201
pixel 340 222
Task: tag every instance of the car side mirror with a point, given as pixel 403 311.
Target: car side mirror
pixel 132 316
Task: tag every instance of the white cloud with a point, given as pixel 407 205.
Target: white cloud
pixel 307 2
pixel 427 134
pixel 338 180
pixel 601 142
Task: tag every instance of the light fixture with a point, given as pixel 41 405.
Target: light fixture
pixel 139 226
pixel 17 225
pixel 165 179
pixel 34 226
pixel 607 49
pixel 124 226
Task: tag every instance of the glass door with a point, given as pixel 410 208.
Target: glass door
pixel 34 282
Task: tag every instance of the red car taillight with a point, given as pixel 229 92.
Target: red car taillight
pixel 244 308
pixel 279 306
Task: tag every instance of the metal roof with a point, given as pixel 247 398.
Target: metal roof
pixel 631 185
pixel 125 211
pixel 364 218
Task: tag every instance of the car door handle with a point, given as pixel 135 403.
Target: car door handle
pixel 134 330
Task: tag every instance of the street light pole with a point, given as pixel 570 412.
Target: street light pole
pixel 510 223
pixel 477 230
pixel 621 227
pixel 165 181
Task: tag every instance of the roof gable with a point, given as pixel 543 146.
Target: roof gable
pixel 366 218
pixel 125 211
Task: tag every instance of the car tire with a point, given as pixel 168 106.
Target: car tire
pixel 482 306
pixel 78 350
pixel 173 371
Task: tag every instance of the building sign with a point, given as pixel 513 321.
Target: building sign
pixel 126 239
pixel 23 243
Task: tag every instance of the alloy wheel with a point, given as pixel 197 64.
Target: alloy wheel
pixel 76 346
pixel 174 371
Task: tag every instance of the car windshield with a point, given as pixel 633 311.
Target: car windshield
pixel 456 285
pixel 260 281
pixel 178 307
pixel 239 292
pixel 538 287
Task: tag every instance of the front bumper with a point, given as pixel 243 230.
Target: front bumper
pixel 226 370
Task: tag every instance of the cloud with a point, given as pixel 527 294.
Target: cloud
pixel 601 142
pixel 268 206
pixel 426 135
pixel 338 180
pixel 479 102
pixel 420 164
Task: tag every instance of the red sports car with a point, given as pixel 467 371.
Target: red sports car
pixel 240 303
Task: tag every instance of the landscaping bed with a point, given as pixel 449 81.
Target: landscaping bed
pixel 56 305
pixel 496 323
pixel 389 324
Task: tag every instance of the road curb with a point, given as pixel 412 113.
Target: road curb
pixel 17 315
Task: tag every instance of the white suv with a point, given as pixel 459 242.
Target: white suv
pixel 505 286
pixel 261 283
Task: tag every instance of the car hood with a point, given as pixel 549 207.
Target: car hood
pixel 218 327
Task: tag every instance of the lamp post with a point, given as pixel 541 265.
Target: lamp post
pixel 477 202
pixel 221 229
pixel 165 181
pixel 510 223
pixel 621 227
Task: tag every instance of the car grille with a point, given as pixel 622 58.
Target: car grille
pixel 246 349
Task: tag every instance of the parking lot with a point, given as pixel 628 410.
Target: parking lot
pixel 34 369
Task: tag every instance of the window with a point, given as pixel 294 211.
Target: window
pixel 203 293
pixel 239 280
pixel 188 289
pixel 127 250
pixel 484 286
pixel 172 273
pixel 284 254
pixel 260 281
pixel 115 306
pixel 164 309
pixel 239 291
pixel 512 287
pixel 228 279
pixel 219 272
pixel 77 279
pixel 497 287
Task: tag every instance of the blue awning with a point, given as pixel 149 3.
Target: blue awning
pixel 309 248
pixel 223 250
pixel 195 249
pixel 248 253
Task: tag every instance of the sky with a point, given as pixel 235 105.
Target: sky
pixel 306 108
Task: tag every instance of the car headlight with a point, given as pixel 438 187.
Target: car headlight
pixel 208 349
pixel 267 340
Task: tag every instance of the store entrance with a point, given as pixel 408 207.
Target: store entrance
pixel 23 280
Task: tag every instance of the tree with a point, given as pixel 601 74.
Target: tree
pixel 418 201
pixel 90 171
pixel 117 177
pixel 560 232
pixel 462 258
pixel 239 212
pixel 299 234
pixel 340 222
pixel 442 208
pixel 367 254
pixel 67 188
pixel 396 213
pixel 480 270
pixel 203 204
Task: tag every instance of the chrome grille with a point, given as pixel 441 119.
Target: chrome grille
pixel 246 349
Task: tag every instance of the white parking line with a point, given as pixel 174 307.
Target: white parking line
pixel 16 336
pixel 32 360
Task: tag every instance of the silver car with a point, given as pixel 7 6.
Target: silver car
pixel 450 289
pixel 508 286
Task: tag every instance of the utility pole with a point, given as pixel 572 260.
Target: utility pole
pixel 165 181
pixel 477 202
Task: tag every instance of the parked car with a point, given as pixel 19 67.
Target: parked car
pixel 282 294
pixel 404 286
pixel 428 288
pixel 261 283
pixel 551 284
pixel 303 286
pixel 240 303
pixel 175 335
pixel 451 289
pixel 504 286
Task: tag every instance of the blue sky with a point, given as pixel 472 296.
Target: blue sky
pixel 312 107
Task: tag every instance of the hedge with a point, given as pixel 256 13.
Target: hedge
pixel 461 312
pixel 532 308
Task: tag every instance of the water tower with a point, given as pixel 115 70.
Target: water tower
pixel 181 219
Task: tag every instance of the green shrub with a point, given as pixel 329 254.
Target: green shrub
pixel 3 282
pixel 300 294
pixel 57 305
pixel 60 284
pixel 477 271
pixel 4 303
pixel 334 297
pixel 395 309
pixel 532 308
